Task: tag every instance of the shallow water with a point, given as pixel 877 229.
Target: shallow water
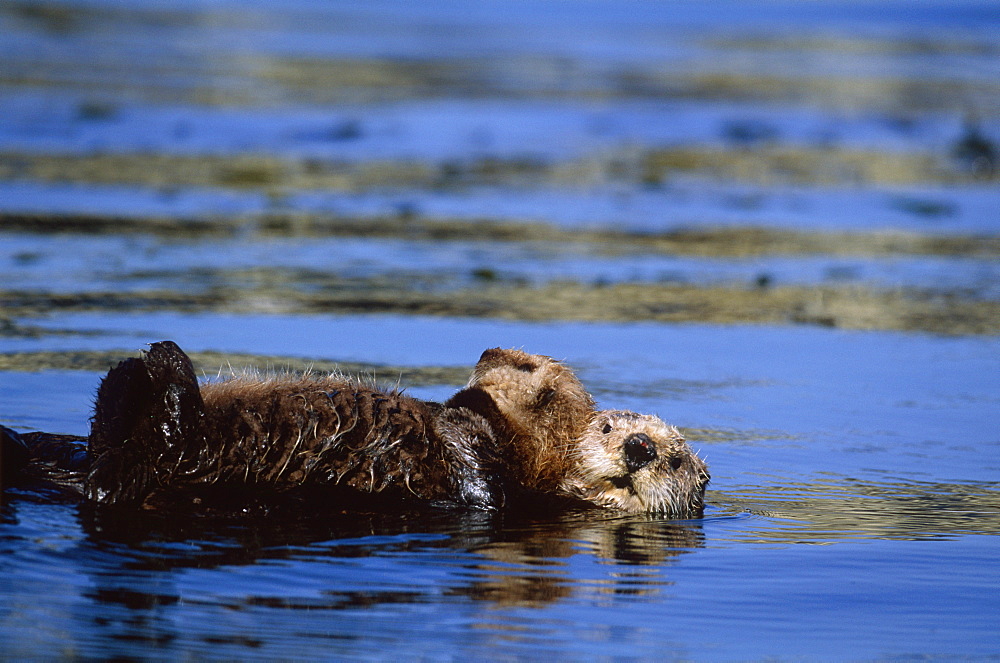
pixel 769 225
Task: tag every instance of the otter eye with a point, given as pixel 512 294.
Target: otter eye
pixel 606 429
pixel 527 367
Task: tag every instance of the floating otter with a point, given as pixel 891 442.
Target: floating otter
pixel 557 444
pixel 524 428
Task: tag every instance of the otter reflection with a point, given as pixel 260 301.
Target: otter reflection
pixel 485 556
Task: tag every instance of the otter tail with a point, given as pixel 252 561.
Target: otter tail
pixel 149 412
pixel 50 457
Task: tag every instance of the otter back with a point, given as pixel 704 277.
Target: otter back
pixel 291 431
pixel 158 438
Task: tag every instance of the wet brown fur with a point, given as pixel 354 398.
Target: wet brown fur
pixel 548 428
pixel 155 431
pixel 538 409
pixel 524 426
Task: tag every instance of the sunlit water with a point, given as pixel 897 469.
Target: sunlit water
pixel 854 508
pixel 853 512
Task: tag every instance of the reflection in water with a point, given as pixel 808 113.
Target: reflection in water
pixel 503 558
pixel 144 579
pixel 839 508
pixel 279 583
pixel 525 565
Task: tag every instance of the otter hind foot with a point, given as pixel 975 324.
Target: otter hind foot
pixel 148 411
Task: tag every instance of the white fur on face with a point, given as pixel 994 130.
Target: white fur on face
pixel 672 483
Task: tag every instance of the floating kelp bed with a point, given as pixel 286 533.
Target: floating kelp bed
pixel 848 308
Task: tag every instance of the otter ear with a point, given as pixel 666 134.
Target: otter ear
pixel 491 355
pixel 476 400
pixel 500 357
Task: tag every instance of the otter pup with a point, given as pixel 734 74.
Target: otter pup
pixel 523 426
pixel 547 429
pixel 538 410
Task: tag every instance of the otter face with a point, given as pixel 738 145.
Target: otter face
pixel 539 397
pixel 637 463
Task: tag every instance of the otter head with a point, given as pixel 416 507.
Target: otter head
pixel 537 407
pixel 637 463
pixel 536 394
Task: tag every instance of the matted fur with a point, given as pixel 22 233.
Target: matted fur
pixel 156 431
pixel 538 409
pixel 524 428
pixel 556 442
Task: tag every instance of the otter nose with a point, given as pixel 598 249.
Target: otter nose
pixel 640 451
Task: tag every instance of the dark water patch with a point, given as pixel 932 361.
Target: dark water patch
pixel 325 81
pixel 767 165
pixel 51 18
pixel 62 18
pixel 10 328
pixel 975 152
pixel 923 207
pixel 854 45
pixel 736 437
pixel 832 92
pixel 730 242
pixel 613 386
pixel 274 173
pixel 103 225
pixel 231 171
pixel 109 301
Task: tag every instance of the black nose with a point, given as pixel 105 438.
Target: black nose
pixel 639 452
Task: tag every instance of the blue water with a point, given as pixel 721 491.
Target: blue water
pixel 853 513
pixel 854 508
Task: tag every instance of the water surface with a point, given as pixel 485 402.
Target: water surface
pixel 773 226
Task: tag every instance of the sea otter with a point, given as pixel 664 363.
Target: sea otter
pixel 547 429
pixel 524 429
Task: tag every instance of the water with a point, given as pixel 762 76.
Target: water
pixel 575 587
pixel 769 225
